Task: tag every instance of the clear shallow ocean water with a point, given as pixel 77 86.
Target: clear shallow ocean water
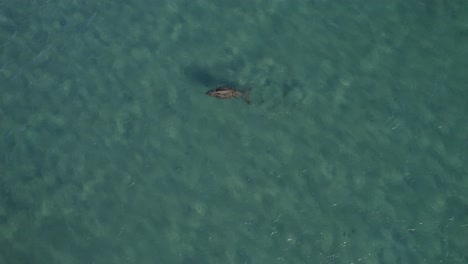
pixel 354 148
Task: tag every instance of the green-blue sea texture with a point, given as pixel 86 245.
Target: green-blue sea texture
pixel 353 150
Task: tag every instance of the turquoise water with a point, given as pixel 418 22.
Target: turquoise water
pixel 354 148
